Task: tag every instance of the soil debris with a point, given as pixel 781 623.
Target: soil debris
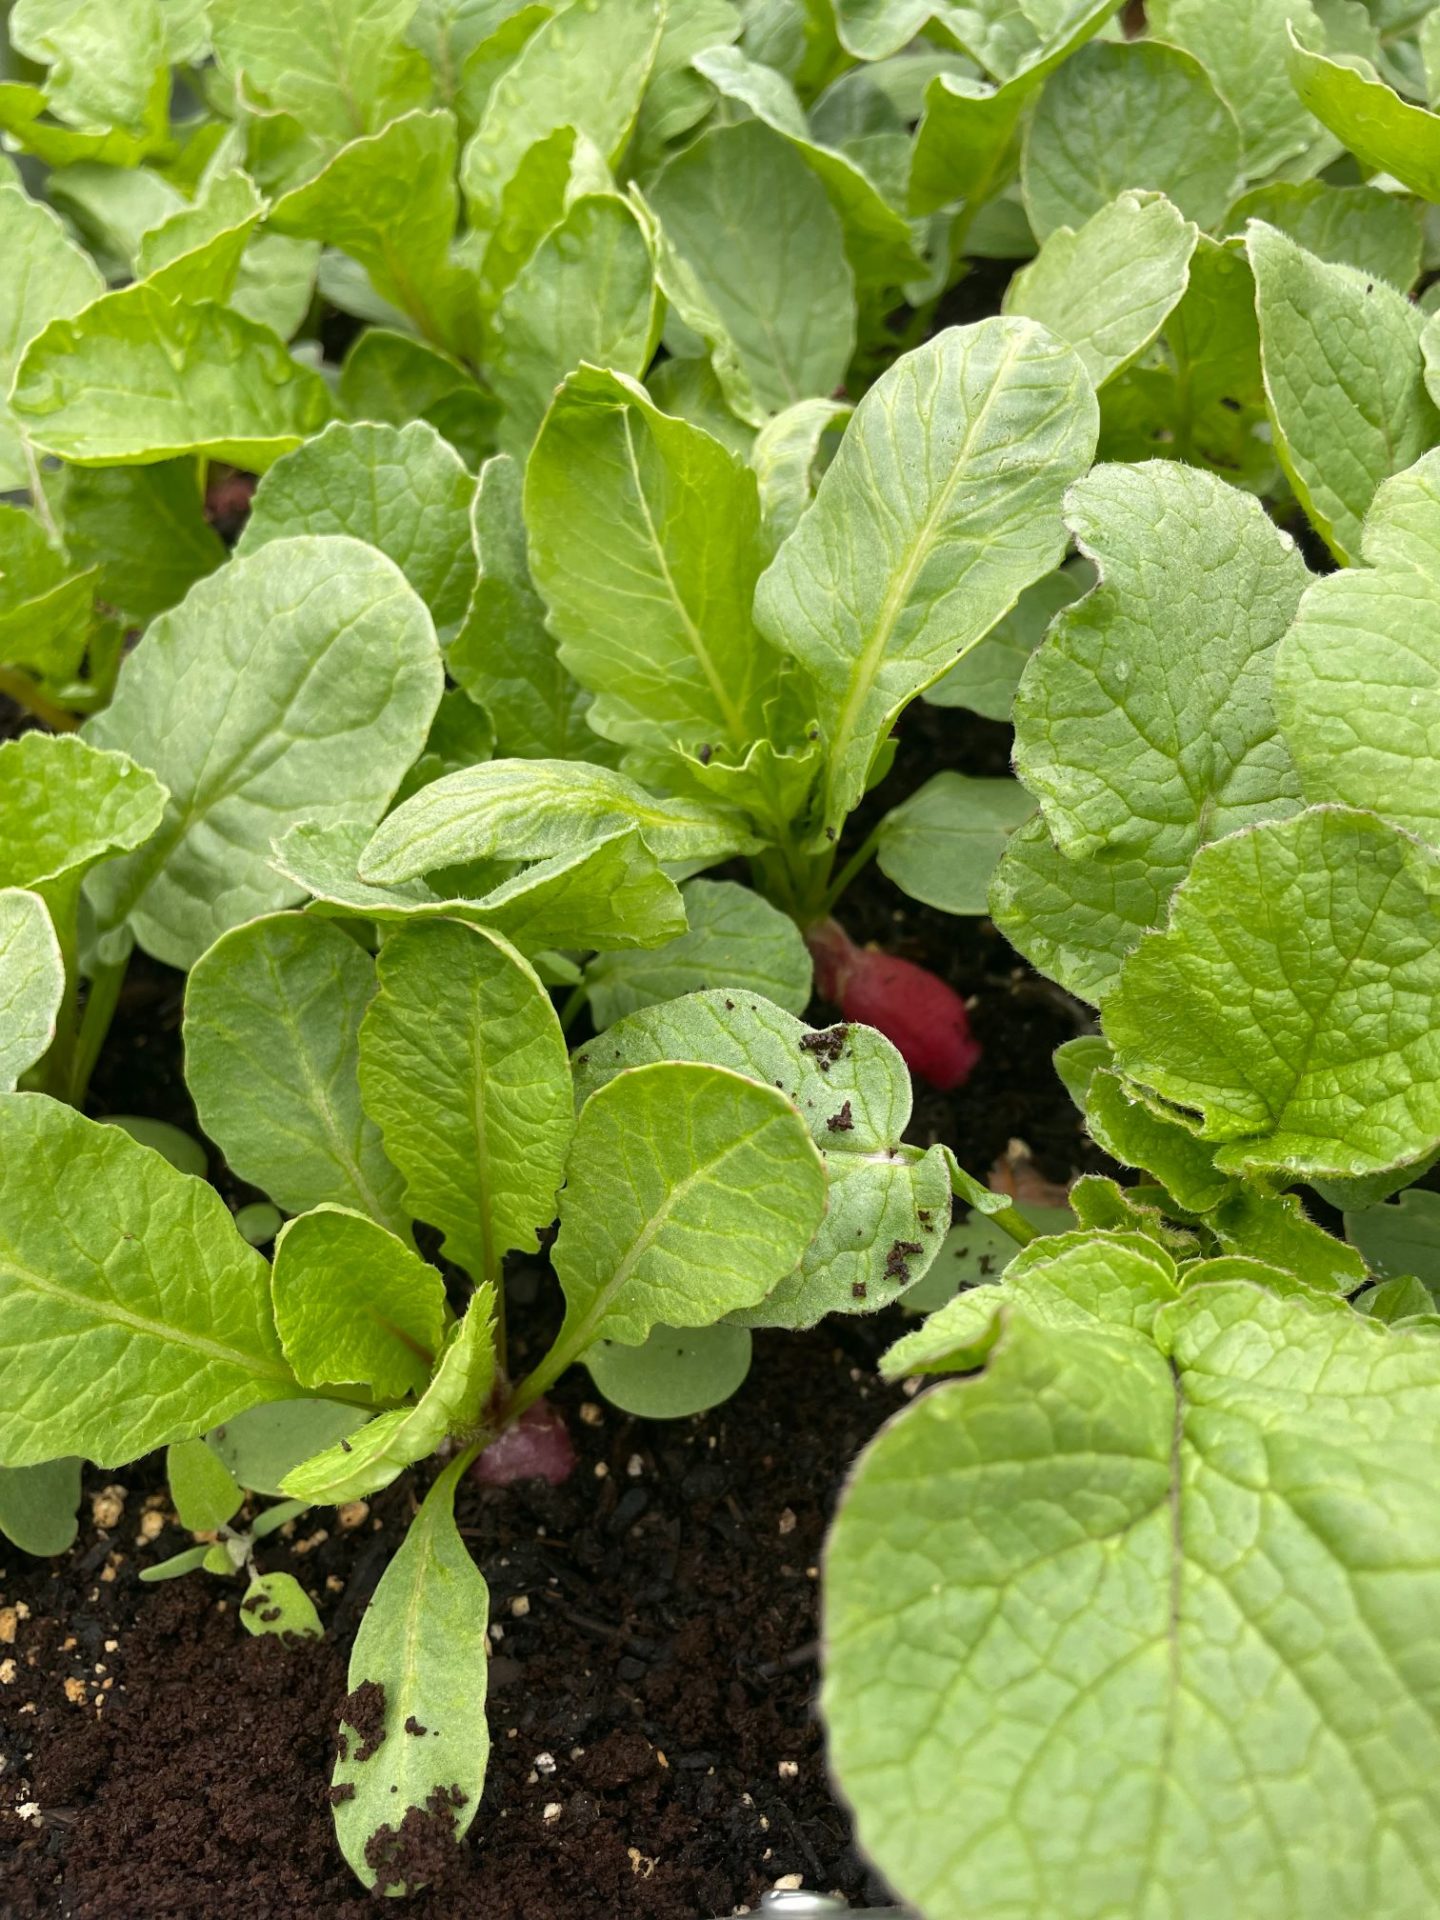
pixel 364 1710
pixel 843 1121
pixel 826 1046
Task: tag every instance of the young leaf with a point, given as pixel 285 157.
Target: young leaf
pixel 1343 379
pixel 403 490
pixel 941 506
pixel 46 605
pixel 690 1191
pixel 1400 1239
pixel 789 455
pixel 451 1407
pixel 420 1666
pixel 742 192
pixel 138 377
pixel 504 655
pixel 735 937
pixel 1130 1131
pixel 144 528
pixel 102 56
pixel 463 1066
pixel 277 1603
pixel 536 810
pixel 1357 679
pixel 32 983
pixel 677 1372
pixel 1379 233
pixel 986 679
pixel 37 1505
pixel 272 1022
pixel 1293 1001
pixel 941 845
pixel 1242 45
pixel 1380 129
pixel 354 1305
pixel 205 1492
pixel 49 278
pixel 141 1314
pixel 888 1204
pixel 1145 723
pixel 392 378
pixel 1132 114
pixel 1109 288
pixel 261 1445
pixel 196 253
pixel 645 543
pixel 586 295
pixel 1090 1477
pixel 302 677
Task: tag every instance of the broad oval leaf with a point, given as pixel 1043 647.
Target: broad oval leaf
pixel 66 806
pixel 941 506
pixel 678 1371
pixel 49 278
pixel 302 679
pixel 272 1024
pixel 1383 131
pixel 941 845
pixel 1242 45
pixel 132 1312
pixel 38 1505
pixel 32 982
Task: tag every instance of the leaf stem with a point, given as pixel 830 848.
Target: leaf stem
pixel 574 1003
pixel 20 688
pixel 854 866
pixel 100 1004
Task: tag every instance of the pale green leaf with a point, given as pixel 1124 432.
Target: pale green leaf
pixel 888 1204
pixel 1129 114
pixel 1110 287
pixel 261 1445
pixel 463 1067
pixel 354 1305
pixel 645 543
pixel 113 208
pixel 1400 1239
pixel 141 1315
pixel 392 378
pixel 941 506
pixel 986 679
pixel 460 736
pixel 549 174
pixel 1380 129
pixel 678 1371
pixel 1001 36
pixel 586 295
pixel 196 253
pixel 1130 1131
pixel 275 282
pixel 403 490
pixel 976 1252
pixel 205 1492
pixel 182 1150
pixel 22 107
pixel 734 939
pixel 37 1505
pixel 1379 233
pixel 137 377
pixel 451 1407
pixel 300 679
pixel 789 455
pixel 32 983
pixel 144 528
pixel 422 1644
pixel 272 1021
pixel 1343 379
pixel 1242 45
pixel 1293 1002
pixel 941 845
pixel 1275 1227
pixel 743 193
pixel 1168 1681
pixel 46 600
pixel 48 278
pixel 277 1603
pixel 103 56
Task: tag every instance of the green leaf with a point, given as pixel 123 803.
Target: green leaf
pixel 888 1204
pixel 182 1150
pixel 1145 723
pixel 452 1406
pixel 49 278
pixel 586 295
pixel 941 845
pixel 1399 1302
pixel 138 377
pixel 1377 232
pixel 743 193
pixel 32 983
pixel 37 1505
pixel 1400 1239
pixel 460 736
pixel 421 1654
pixel 1242 45
pixel 1130 1131
pixel 144 528
pixel 103 56
pixel 690 1191
pixel 463 1065
pixel 142 1315
pixel 354 1305
pixel 941 506
pixel 1357 680
pixel 976 1252
pixel 1380 129
pixel 587 68
pixel 535 810
pixel 261 1445
pixel 1109 288
pixel 205 1492
pixel 1129 114
pixel 389 202
pixel 1004 39
pixel 504 655
pixel 277 1603
pixel 1343 379
pixel 272 1022
pixel 22 105
pixel 1276 1228
pixel 549 174
pixel 403 490
pixel 303 676
pixel 1293 1002
pixel 735 938
pixel 258 1223
pixel 645 543
pixel 789 455
pixel 196 253
pixel 611 893
pixel 46 605
pixel 275 283
pixel 986 679
pixel 1118 1619
pixel 678 1371
pixel 390 378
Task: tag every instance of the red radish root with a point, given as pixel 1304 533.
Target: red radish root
pixel 911 1006
pixel 537 1447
